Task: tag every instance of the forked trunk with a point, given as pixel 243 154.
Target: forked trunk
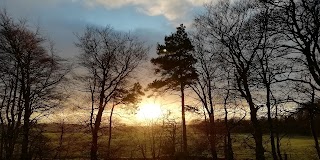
pixel 257 133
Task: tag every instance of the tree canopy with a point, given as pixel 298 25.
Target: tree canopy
pixel 175 63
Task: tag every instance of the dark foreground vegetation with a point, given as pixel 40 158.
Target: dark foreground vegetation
pixel 254 64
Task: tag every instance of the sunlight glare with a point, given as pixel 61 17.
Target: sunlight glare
pixel 149 111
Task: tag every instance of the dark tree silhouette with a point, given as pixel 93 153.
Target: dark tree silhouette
pixel 313 111
pixel 175 65
pixel 231 26
pixel 124 96
pixel 109 58
pixel 271 63
pixel 310 111
pixel 205 88
pixel 299 26
pixel 35 75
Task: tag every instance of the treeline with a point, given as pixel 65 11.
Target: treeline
pixel 287 126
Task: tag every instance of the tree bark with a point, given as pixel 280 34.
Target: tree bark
pixel 26 129
pixel 277 135
pixel 271 128
pixel 94 143
pixel 257 133
pixel 212 124
pixel 25 84
pixel 184 128
pixel 314 134
pixel 110 133
pixel 228 152
pixel 212 137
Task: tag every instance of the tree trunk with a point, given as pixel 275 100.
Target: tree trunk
pixel 94 143
pixel 212 137
pixel 59 149
pixel 26 89
pixel 184 128
pixel 278 146
pixel 228 152
pixel 173 138
pixel 2 143
pixel 110 133
pixel 271 129
pixel 26 124
pixel 312 122
pixel 212 134
pixel 26 129
pixel 314 134
pixel 257 133
pixel 3 131
pixel 273 148
pixel 277 135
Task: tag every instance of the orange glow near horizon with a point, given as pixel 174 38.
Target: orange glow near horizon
pixel 149 111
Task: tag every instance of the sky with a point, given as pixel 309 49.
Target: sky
pixel 61 19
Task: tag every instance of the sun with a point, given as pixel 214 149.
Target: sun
pixel 147 111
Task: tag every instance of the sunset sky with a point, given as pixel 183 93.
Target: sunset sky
pixel 60 19
pixel 151 20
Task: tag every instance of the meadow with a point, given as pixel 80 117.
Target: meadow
pixel 152 142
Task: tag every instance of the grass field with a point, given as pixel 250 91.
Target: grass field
pixel 296 147
pixel 133 142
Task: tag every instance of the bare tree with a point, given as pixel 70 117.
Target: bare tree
pixel 207 70
pixel 11 95
pixel 109 59
pixel 271 64
pixel 169 126
pixel 299 25
pixel 34 73
pixel 232 26
pixel 308 105
pixel 150 139
pixel 312 109
pixel 125 97
pixel 228 151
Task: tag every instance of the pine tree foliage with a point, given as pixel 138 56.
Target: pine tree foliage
pixel 175 63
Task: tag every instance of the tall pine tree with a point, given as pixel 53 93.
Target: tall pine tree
pixel 175 65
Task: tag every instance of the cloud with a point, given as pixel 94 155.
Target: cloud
pixel 173 10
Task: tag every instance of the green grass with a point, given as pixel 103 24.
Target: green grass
pixel 296 147
pixel 126 143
